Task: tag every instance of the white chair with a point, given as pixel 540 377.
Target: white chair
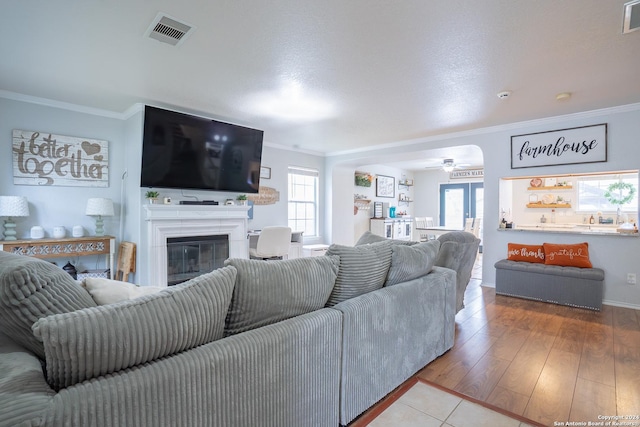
pixel 273 243
pixel 468 225
pixel 477 226
pixel 421 224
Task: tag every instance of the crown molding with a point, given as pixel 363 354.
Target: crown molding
pixel 137 107
pixel 62 105
pixel 492 129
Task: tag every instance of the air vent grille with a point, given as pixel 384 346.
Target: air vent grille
pixel 168 30
pixel 631 16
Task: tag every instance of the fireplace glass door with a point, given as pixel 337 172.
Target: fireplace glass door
pixel 188 257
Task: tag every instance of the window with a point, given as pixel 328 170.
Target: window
pixel 592 189
pixel 303 200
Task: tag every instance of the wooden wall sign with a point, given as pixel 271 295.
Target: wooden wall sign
pixel 587 144
pixel 47 159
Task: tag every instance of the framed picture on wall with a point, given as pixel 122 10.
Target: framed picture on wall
pixel 265 172
pixel 385 186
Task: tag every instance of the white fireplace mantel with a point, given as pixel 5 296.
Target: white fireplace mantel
pixel 167 221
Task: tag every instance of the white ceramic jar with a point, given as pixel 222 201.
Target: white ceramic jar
pixel 59 232
pixel 77 231
pixel 37 232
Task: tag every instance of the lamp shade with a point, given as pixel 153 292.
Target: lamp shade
pixel 14 206
pixel 99 206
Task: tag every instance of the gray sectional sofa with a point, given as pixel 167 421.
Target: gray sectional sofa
pixel 302 342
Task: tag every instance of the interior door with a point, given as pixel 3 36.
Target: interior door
pixel 459 202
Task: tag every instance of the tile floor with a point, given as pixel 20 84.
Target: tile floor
pixel 426 406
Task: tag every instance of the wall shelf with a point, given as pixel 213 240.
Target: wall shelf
pixel 362 203
pixel 549 206
pixel 556 187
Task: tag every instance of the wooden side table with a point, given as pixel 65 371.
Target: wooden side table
pixel 58 248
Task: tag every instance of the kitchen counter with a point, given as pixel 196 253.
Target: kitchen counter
pixel 597 229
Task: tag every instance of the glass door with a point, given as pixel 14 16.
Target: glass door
pixel 454 205
pixel 459 202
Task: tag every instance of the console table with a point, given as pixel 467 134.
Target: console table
pixel 58 248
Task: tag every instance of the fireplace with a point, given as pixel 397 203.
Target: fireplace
pixel 189 257
pixel 190 223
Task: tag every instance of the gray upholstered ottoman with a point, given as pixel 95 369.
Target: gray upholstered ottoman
pixel 577 287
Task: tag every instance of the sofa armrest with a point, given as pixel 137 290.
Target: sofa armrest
pixel 390 334
pixel 24 392
pixel 284 374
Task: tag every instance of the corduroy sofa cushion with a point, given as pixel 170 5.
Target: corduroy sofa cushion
pixel 97 341
pixel 411 262
pixel 368 237
pixel 30 289
pixel 363 269
pixel 267 292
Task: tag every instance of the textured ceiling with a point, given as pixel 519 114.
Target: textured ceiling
pixel 329 75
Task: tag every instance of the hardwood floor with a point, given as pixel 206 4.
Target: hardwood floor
pixel 546 362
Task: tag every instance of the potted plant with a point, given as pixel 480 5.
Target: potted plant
pixel 152 196
pixel 242 199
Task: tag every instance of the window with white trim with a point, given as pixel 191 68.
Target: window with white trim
pixel 303 200
pixel 592 190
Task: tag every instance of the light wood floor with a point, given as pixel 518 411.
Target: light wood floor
pixel 546 362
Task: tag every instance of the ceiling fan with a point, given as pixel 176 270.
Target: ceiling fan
pixel 448 165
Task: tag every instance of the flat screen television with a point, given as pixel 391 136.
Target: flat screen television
pixel 188 152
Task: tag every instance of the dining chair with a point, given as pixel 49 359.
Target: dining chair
pixel 273 243
pixel 423 223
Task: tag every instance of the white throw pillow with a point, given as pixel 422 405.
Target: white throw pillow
pixel 107 291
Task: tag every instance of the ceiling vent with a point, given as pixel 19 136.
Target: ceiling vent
pixel 168 30
pixel 631 16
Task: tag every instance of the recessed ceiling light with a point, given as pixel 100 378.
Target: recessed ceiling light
pixel 504 94
pixel 563 96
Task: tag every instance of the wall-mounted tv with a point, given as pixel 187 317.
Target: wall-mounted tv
pixel 189 152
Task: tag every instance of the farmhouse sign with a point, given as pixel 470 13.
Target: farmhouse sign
pixel 47 159
pixel 467 173
pixel 586 144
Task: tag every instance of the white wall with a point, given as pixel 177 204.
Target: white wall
pixel 361 219
pixel 279 160
pixel 56 205
pixel 616 255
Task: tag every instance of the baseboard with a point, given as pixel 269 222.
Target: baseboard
pixel 621 304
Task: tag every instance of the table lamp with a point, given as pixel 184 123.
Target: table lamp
pixel 12 206
pixel 99 207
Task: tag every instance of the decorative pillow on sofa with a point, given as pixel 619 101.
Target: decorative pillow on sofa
pixel 368 237
pixel 576 255
pixel 96 341
pixel 30 289
pixel 363 269
pixel 107 291
pixel 411 262
pixel 267 292
pixel 526 253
